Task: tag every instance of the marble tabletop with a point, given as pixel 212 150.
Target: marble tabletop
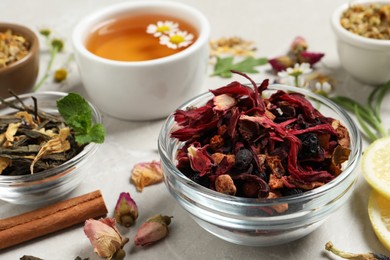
pixel 272 25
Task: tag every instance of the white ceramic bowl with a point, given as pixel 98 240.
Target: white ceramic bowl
pixel 366 59
pixel 143 90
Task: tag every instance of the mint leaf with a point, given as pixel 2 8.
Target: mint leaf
pixel 95 135
pixel 224 66
pixel 78 115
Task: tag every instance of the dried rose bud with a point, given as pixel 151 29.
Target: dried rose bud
pixel 299 44
pixel 225 184
pixel 281 63
pixel 104 237
pixel 126 210
pixel 154 229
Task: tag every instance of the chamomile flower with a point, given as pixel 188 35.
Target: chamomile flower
pixel 295 76
pixel 162 28
pixel 177 39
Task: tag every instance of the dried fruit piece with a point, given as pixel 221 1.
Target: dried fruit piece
pixel 224 184
pixel 145 174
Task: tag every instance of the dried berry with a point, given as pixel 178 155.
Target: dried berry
pixel 244 158
pixel 310 146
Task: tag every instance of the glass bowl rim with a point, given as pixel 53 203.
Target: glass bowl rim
pixel 217 196
pixel 87 150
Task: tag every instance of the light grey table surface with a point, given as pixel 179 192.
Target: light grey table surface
pixel 272 25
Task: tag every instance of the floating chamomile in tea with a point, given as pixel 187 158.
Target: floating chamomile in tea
pixel 141 37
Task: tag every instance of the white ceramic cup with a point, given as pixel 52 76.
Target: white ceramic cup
pixel 366 59
pixel 143 90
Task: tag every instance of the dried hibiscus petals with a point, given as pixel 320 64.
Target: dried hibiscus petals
pixel 241 143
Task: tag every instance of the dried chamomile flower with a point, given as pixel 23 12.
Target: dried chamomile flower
pixel 370 21
pixel 235 46
pixel 60 75
pixel 13 47
pixel 145 174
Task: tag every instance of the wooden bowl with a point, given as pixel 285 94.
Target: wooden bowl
pixel 20 76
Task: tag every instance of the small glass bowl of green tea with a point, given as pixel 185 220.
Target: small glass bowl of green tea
pixel 140 60
pixel 52 184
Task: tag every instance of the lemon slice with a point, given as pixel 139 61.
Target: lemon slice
pixel 376 166
pixel 379 213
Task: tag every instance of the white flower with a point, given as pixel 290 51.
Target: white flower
pixel 295 76
pixel 162 28
pixel 177 39
pixel 324 87
pixel 299 69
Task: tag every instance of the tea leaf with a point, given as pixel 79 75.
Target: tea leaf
pixel 224 66
pixel 78 114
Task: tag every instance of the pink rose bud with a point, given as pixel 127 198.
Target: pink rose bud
pixel 126 211
pixel 104 237
pixel 299 44
pixel 152 230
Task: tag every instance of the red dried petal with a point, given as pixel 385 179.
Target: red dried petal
pixel 234 89
pixel 310 57
pixel 281 63
pixel 199 159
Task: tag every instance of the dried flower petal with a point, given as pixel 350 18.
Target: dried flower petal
pixel 153 230
pixel 145 174
pixel 57 144
pixel 199 159
pixel 281 63
pixel 126 210
pixel 223 102
pixel 104 236
pixel 4 163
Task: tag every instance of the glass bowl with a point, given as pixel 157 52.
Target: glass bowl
pixel 52 184
pixel 242 220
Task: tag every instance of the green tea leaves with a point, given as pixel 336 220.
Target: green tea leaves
pixel 78 115
pixel 224 66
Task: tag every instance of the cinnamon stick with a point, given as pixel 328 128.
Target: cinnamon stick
pixel 36 223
